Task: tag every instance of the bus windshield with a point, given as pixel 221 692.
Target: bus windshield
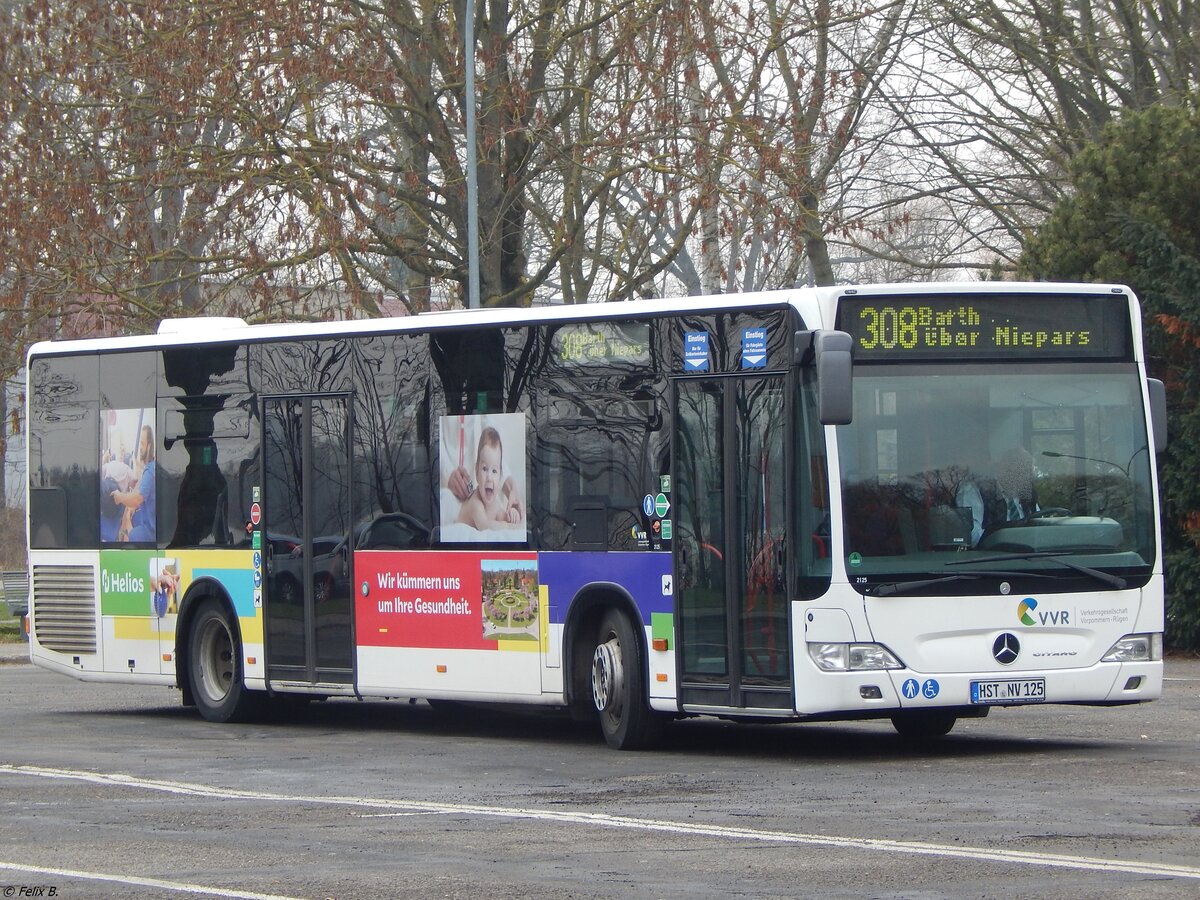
pixel 1037 475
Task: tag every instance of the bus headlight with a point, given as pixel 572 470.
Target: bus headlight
pixel 1135 648
pixel 852 657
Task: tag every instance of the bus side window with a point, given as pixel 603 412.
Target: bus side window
pixel 470 367
pixel 392 471
pixel 64 456
pixel 595 459
pixel 813 527
pixel 209 452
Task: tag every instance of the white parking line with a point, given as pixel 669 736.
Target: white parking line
pixel 156 883
pixel 604 820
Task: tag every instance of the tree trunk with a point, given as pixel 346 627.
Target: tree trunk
pixel 4 445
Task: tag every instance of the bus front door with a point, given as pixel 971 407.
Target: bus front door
pixel 306 541
pixel 732 625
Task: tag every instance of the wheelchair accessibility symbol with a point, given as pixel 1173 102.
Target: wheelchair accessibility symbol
pixel 912 688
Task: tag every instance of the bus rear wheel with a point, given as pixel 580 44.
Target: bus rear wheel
pixel 215 667
pixel 619 686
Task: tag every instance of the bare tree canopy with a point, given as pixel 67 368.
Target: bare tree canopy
pixel 995 97
pixel 308 158
pixel 171 156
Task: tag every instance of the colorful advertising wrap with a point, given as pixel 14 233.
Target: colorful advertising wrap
pixel 127 471
pixel 466 601
pixel 483 477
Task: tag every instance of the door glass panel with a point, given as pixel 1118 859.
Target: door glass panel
pixel 329 455
pixel 283 529
pixel 700 522
pixel 306 541
pixel 760 429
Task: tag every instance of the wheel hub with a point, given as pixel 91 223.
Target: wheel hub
pixel 216 658
pixel 608 677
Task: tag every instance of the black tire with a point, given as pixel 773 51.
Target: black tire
pixel 618 682
pixel 923 725
pixel 215 668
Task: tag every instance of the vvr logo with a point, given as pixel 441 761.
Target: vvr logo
pixel 1025 612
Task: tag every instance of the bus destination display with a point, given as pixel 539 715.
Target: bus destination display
pixel 602 344
pixel 987 327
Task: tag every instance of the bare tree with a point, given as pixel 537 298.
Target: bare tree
pixel 779 97
pixel 171 155
pixel 999 95
pixel 727 168
pixel 548 133
pixel 148 172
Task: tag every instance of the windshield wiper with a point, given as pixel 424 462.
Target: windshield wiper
pixel 888 588
pixel 902 587
pixel 1115 581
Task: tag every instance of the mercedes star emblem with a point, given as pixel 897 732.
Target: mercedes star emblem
pixel 1006 648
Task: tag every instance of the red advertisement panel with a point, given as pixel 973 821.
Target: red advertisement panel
pixel 437 599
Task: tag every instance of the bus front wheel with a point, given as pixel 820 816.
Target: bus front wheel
pixel 215 667
pixel 619 686
pixel 924 724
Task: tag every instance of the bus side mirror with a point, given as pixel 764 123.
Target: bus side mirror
pixel 831 351
pixel 1158 413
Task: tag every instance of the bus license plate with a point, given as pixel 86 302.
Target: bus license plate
pixel 1031 690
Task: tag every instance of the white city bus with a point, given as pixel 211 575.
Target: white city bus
pixel 914 502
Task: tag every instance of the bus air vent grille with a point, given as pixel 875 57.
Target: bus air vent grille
pixel 64 608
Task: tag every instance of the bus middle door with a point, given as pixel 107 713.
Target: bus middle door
pixel 307 533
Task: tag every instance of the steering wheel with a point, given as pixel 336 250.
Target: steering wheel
pixel 1051 512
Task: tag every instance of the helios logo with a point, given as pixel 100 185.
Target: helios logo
pixel 1025 612
pixel 121 583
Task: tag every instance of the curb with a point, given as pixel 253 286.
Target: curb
pixel 14 653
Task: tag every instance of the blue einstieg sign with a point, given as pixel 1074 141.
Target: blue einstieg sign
pixel 695 351
pixel 754 348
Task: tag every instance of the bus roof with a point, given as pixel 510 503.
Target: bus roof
pixel 817 305
pixel 220 329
